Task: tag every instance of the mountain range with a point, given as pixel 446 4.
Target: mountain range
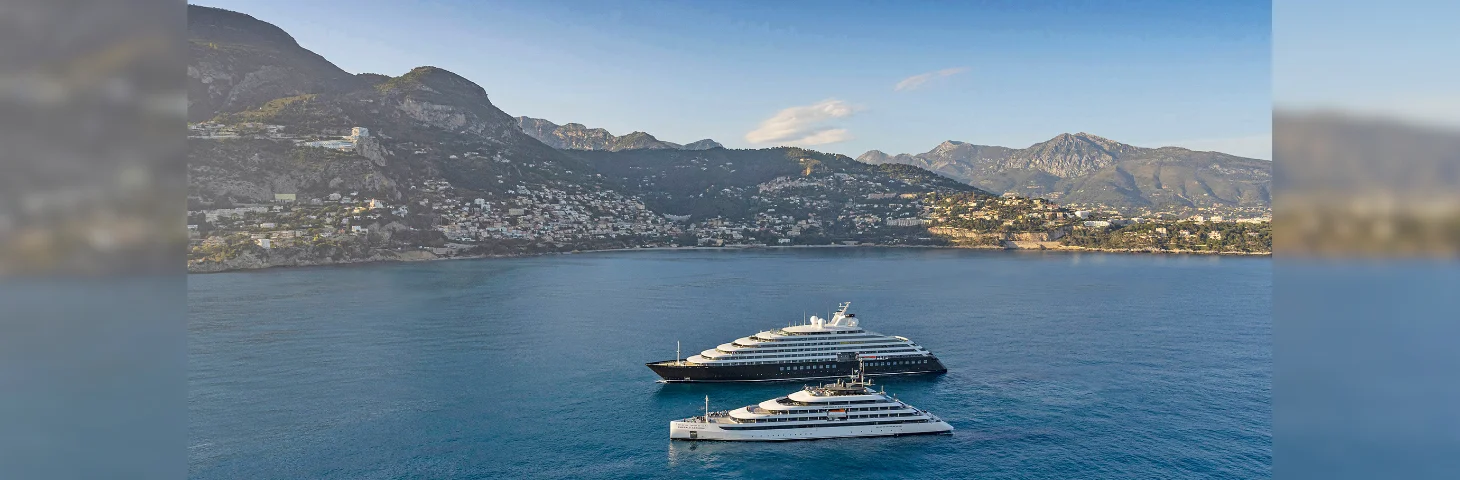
pixel 432 124
pixel 1081 168
pixel 242 70
pixel 576 136
pixel 237 62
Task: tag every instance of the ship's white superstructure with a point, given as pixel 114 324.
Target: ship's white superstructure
pixel 842 409
pixel 817 348
pixel 819 340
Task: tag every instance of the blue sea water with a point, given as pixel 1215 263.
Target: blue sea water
pixel 1060 365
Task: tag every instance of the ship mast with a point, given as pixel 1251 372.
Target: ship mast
pixel 707 409
pixel 677 359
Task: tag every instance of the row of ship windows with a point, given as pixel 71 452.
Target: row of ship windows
pixel 807 341
pixel 778 348
pixel 791 367
pixel 783 332
pixel 788 401
pixel 786 355
pixel 769 356
pixel 896 362
pixel 792 348
pixel 788 368
pixel 887 349
pixel 825 424
pixel 874 415
pixel 822 404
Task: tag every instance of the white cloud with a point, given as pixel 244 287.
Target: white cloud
pixel 916 81
pixel 804 125
pixel 825 136
pixel 1251 146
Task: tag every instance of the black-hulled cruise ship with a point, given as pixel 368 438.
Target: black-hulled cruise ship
pixel 818 349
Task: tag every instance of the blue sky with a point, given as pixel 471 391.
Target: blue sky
pixel 843 76
pixel 1391 59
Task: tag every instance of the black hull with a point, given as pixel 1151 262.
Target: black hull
pixel 670 372
pixel 949 433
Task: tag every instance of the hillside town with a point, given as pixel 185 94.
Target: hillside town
pixel 345 141
pixel 527 220
pixel 438 220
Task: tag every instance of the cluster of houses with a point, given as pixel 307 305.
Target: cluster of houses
pixel 544 214
pixel 219 131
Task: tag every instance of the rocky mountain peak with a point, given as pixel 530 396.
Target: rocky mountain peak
pixel 576 136
pixel 1085 168
pixel 238 62
pixel 372 78
pixel 873 157
pixel 947 146
pixel 1069 155
pixel 436 80
pixel 637 140
pixel 438 98
pixel 536 127
pixel 536 122
pixel 226 26
pixel 705 144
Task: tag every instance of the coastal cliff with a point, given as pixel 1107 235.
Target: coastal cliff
pixel 257 258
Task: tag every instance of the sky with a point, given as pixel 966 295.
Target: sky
pixel 838 76
pixel 1387 59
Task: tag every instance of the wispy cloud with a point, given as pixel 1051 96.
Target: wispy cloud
pixel 825 136
pixel 917 81
pixel 804 125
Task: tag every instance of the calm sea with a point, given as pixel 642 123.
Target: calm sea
pixel 1060 365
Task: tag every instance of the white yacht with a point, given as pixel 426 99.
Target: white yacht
pixel 847 408
pixel 818 348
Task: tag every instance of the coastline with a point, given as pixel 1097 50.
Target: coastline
pixel 421 256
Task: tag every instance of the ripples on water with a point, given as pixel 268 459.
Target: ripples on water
pixel 1061 365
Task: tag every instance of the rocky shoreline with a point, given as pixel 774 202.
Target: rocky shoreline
pixel 250 261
